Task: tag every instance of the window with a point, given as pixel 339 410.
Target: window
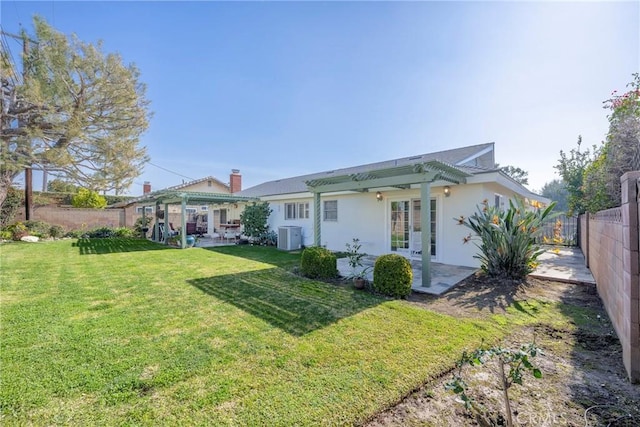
pixel 330 210
pixel 497 201
pixel 191 211
pixel 204 208
pixel 147 210
pixel 290 211
pixel 303 210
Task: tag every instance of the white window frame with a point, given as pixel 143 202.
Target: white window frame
pixel 147 210
pixel 303 210
pixel 204 208
pixel 290 211
pixel 326 210
pixel 498 201
pixel 190 211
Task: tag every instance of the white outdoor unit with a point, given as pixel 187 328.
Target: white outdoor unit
pixel 289 238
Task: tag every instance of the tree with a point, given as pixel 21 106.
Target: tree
pixel 88 199
pixel 254 219
pixel 73 108
pixel 61 186
pixel 593 178
pixel 519 175
pixel 556 190
pixel 571 168
pixel 622 153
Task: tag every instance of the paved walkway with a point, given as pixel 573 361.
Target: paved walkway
pixel 563 265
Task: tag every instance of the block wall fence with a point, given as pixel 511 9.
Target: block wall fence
pixel 77 219
pixel 609 241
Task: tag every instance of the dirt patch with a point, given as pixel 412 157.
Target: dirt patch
pixel 584 381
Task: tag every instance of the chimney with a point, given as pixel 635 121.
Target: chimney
pixel 235 181
pixel 146 188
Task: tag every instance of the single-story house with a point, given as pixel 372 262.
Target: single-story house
pixel 199 212
pixel 382 204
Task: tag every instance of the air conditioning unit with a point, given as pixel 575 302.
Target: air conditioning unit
pixel 289 238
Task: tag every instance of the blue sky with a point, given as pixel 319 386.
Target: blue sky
pixel 278 89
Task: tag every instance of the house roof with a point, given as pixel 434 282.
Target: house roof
pixel 177 196
pixel 197 181
pixel 462 158
pixel 169 189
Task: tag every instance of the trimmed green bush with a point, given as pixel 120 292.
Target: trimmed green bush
pixel 392 275
pixel 318 263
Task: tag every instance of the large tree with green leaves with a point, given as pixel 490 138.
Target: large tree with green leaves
pixel 71 108
pixel 571 167
pixel 519 175
pixel 556 190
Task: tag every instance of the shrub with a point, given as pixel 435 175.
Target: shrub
pixel 56 231
pixel 508 247
pixel 18 230
pixel 74 234
pixel 88 199
pixel 392 275
pixel 123 232
pixel 142 222
pixel 254 219
pixel 318 263
pixel 100 233
pixel 38 228
pixel 5 235
pixel 10 206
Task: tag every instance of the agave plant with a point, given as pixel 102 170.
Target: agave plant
pixel 507 238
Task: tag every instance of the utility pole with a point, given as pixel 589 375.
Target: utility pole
pixel 28 172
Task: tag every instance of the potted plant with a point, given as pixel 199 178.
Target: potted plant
pixel 360 278
pixel 354 256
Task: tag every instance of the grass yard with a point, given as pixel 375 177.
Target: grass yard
pixel 125 332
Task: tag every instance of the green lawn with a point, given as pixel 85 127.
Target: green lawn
pixel 126 332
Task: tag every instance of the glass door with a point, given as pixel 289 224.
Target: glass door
pixel 406 228
pixel 400 227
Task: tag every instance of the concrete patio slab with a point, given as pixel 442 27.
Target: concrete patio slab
pixel 443 276
pixel 563 264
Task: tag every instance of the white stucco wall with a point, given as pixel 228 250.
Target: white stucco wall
pixel 361 215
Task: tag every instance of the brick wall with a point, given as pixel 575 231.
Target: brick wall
pixel 610 243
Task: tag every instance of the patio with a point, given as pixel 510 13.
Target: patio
pixel 443 276
pixel 561 264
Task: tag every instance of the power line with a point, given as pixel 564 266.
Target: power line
pixel 170 171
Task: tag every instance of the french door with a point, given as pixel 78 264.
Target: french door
pixel 406 228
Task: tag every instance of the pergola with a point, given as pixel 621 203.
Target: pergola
pixel 399 177
pixel 167 198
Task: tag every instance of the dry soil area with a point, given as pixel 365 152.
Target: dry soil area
pixel 584 382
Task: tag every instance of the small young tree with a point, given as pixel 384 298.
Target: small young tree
pixel 517 360
pixel 508 247
pixel 88 199
pixel 254 219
